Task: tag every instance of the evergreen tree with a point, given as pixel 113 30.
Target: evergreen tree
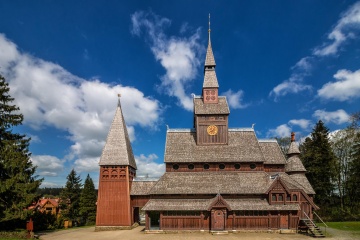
pixel 318 159
pixel 70 196
pixel 88 202
pixel 353 182
pixel 18 184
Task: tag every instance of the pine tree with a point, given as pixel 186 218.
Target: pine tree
pixel 70 197
pixel 318 159
pixel 88 202
pixel 18 184
pixel 353 182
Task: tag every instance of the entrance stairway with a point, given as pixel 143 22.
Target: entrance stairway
pixel 311 228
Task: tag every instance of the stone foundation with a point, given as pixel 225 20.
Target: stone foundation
pixel 115 228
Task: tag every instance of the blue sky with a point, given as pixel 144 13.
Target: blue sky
pixel 282 64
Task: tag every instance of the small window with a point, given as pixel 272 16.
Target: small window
pixel 222 166
pixel 281 197
pixel 288 198
pixel 237 166
pixel 191 166
pixel 206 166
pixel 175 167
pixel 273 197
pixel 253 166
pixel 294 197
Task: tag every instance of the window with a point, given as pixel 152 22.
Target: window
pixel 175 167
pixel 222 166
pixel 237 166
pixel 206 166
pixel 288 198
pixel 191 166
pixel 281 197
pixel 252 165
pixel 295 198
pixel 273 197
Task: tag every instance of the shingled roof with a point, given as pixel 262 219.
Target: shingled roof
pixel 117 149
pixel 212 183
pixel 141 187
pixel 203 205
pixel 272 152
pixel 210 79
pixel 221 107
pixel 242 146
pixel 294 164
pixel 302 182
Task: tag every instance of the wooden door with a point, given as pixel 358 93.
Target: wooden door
pixel 284 221
pixel 219 220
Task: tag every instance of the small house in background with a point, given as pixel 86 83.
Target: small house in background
pixel 47 205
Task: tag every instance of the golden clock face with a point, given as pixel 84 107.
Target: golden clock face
pixel 212 130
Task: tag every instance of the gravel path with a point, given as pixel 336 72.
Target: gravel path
pixel 138 234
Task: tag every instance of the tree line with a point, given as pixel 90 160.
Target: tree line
pixel 19 185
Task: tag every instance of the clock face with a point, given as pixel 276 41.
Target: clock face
pixel 212 130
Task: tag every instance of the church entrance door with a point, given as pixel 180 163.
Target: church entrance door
pixel 219 220
pixel 284 220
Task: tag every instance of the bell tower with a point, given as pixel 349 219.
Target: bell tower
pixel 211 111
pixel 117 171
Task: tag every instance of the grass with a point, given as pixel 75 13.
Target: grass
pixel 346 226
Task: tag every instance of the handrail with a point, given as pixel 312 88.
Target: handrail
pixel 320 219
pixel 309 218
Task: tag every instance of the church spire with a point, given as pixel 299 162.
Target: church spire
pixel 210 85
pixel 209 60
pixel 117 149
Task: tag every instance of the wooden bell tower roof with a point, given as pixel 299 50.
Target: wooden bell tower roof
pixel 117 150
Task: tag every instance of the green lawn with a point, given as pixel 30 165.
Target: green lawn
pixel 346 226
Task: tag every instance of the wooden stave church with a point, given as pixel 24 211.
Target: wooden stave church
pixel 216 179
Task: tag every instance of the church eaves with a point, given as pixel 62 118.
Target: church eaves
pixel 117 150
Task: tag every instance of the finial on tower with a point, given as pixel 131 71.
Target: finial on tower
pixel 119 95
pixel 209 24
pixel 292 137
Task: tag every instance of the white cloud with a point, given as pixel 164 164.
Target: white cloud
pixel 292 85
pixel 235 99
pixel 303 123
pixel 343 30
pixel 347 86
pixel 350 20
pixel 48 95
pixel 147 167
pixel 337 117
pixel 304 64
pixel 47 165
pixel 281 131
pixel 179 56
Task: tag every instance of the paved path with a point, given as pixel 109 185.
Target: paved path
pixel 138 234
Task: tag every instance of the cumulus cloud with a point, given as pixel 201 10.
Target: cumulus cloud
pixel 346 87
pixel 303 123
pixel 280 131
pixel 337 117
pixel 343 30
pixel 179 56
pixel 47 165
pixel 48 95
pixel 148 167
pixel 235 99
pixel 292 85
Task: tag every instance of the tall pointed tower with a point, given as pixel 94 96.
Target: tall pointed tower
pixel 211 111
pixel 117 170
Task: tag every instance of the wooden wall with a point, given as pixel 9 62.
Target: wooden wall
pixel 113 204
pixel 199 167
